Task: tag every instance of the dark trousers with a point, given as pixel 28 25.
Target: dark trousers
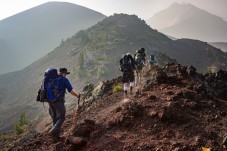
pixel 57 112
pixel 128 77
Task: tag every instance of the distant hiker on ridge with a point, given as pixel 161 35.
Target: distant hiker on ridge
pixel 127 65
pixel 140 58
pixel 57 86
pixel 151 61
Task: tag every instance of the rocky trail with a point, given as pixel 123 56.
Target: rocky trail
pixel 177 109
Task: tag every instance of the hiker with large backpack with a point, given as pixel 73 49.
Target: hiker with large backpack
pixel 53 91
pixel 140 58
pixel 127 67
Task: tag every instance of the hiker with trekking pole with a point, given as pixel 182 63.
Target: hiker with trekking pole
pixel 53 91
pixel 127 67
pixel 57 109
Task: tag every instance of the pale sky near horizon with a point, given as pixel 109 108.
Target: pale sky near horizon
pixel 143 8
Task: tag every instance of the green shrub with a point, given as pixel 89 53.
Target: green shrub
pixel 23 119
pixel 18 126
pixel 211 69
pixel 117 88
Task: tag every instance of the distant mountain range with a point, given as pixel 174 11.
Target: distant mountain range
pixel 188 21
pixel 93 55
pixel 29 35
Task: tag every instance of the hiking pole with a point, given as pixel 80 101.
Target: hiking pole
pixel 78 103
pixel 74 119
pixel 71 138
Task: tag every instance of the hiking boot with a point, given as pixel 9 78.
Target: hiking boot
pixel 54 134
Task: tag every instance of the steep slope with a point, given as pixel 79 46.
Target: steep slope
pixel 33 33
pixel 187 21
pixel 200 54
pixel 178 109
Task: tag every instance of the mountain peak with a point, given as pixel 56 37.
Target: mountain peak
pixel 124 18
pixel 183 7
pixel 184 20
pixel 176 4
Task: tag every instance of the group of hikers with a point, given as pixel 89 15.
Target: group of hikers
pixel 128 65
pixel 55 84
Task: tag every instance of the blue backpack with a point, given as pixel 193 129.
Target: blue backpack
pixel 50 90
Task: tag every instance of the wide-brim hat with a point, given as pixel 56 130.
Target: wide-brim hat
pixel 64 70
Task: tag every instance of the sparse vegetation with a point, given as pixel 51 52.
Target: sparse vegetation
pixel 38 117
pixel 81 60
pixel 100 72
pixel 5 137
pixel 80 72
pixel 84 38
pixel 74 71
pixel 117 88
pixel 211 69
pixel 18 126
pixel 100 58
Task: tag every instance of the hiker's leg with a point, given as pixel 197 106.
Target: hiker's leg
pixel 141 73
pixel 52 113
pixel 137 77
pixel 60 111
pixel 125 89
pixel 145 66
pixel 132 79
pixel 124 81
pixel 131 87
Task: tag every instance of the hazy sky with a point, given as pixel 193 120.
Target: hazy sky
pixel 143 8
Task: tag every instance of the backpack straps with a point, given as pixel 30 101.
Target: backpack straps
pixel 54 90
